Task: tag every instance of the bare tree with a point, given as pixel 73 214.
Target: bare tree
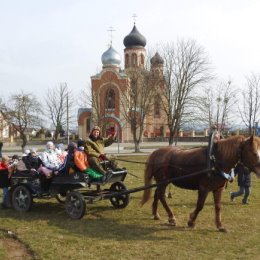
pixel 215 105
pixel 85 97
pixel 59 105
pixel 89 99
pixel 3 122
pixel 97 113
pixel 136 102
pixel 20 112
pixel 250 110
pixel 186 68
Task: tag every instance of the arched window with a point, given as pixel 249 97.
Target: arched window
pixel 134 59
pixel 126 60
pixel 142 59
pixel 110 99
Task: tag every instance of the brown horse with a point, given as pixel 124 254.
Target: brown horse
pixel 188 167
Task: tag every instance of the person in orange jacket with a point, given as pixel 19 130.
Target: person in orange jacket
pixel 81 161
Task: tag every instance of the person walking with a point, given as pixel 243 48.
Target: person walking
pixel 244 182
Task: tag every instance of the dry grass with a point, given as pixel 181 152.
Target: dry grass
pixel 130 233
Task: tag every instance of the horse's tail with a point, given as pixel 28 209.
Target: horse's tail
pixel 147 181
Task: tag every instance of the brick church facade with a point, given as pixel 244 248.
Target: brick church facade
pixel 110 92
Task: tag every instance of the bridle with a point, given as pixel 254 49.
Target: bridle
pixel 241 161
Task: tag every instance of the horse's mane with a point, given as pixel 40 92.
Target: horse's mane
pixel 229 147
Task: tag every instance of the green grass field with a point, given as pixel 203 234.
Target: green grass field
pixel 130 233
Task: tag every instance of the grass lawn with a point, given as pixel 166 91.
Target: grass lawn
pixel 130 233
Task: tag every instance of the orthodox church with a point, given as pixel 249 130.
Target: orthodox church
pixel 110 92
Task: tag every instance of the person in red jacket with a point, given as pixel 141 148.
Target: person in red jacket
pixel 81 161
pixel 4 171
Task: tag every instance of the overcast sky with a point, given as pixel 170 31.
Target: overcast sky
pixel 47 42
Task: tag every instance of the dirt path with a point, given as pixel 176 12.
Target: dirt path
pixel 14 249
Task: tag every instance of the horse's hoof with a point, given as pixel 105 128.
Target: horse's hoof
pixel 156 217
pixel 169 195
pixel 172 222
pixel 222 229
pixel 191 224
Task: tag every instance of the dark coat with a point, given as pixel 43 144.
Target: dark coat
pixel 32 162
pixel 4 180
pixel 243 176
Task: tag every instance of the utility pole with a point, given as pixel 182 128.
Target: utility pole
pixel 68 136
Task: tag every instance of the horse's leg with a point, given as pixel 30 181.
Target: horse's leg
pixel 156 216
pixel 171 218
pixel 202 195
pixel 217 200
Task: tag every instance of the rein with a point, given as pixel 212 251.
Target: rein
pixel 145 163
pixel 130 161
pixel 217 163
pixel 160 164
pixel 147 187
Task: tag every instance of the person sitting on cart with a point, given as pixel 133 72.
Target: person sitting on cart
pixel 50 160
pixel 94 148
pixel 13 164
pixel 32 161
pixel 62 153
pixel 81 162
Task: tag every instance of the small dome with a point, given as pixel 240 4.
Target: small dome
pixel 111 57
pixel 134 38
pixel 157 59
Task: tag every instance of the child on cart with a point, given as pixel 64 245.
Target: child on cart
pixel 81 162
pixel 50 160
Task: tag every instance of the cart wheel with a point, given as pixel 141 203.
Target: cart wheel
pixel 21 198
pixel 120 201
pixel 75 205
pixel 61 197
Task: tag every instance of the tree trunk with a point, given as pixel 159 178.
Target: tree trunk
pixel 55 137
pixel 24 141
pixel 176 139
pixel 137 147
pixel 171 137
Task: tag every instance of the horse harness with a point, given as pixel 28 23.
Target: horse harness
pixel 214 162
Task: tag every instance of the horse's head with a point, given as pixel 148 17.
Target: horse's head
pixel 250 154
